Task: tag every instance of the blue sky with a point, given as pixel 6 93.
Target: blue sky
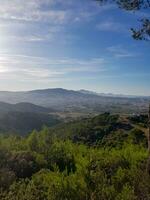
pixel 71 44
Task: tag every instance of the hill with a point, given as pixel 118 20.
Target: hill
pixel 22 107
pixel 24 122
pixel 23 117
pixel 104 130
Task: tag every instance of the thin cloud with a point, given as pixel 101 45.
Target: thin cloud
pixel 30 67
pixel 25 18
pixel 120 52
pixel 45 11
pixel 111 26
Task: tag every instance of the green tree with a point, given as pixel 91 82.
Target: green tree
pixel 32 141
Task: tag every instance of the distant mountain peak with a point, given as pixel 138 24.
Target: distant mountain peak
pixel 87 92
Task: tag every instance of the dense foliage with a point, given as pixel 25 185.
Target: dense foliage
pixel 104 130
pixel 43 166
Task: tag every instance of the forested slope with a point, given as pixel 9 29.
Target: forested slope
pixel 103 130
pixel 45 166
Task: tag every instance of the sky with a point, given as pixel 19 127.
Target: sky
pixel 71 44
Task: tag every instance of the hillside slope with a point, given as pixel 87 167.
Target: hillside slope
pixel 24 122
pixel 102 130
pixel 22 107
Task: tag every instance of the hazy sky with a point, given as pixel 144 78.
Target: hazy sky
pixel 71 44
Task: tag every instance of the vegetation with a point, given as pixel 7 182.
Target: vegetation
pixel 77 165
pixel 104 130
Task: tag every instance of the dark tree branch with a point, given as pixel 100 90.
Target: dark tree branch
pixel 144 32
pixel 129 4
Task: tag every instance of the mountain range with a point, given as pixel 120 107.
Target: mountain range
pixel 59 99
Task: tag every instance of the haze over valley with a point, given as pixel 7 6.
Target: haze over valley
pixel 59 99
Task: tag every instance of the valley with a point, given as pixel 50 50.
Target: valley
pixel 21 112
